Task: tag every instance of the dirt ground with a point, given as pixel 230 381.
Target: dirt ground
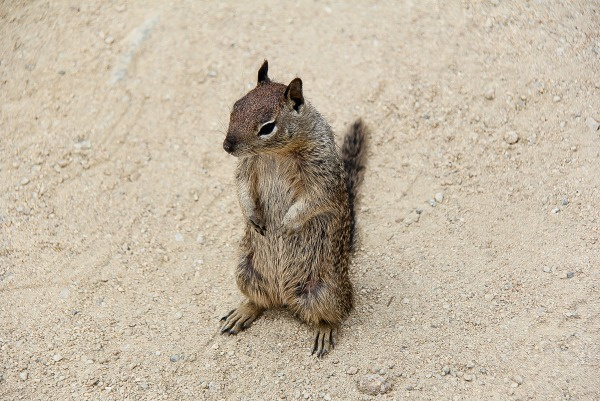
pixel 119 218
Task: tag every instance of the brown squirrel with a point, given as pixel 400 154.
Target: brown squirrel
pixel 297 195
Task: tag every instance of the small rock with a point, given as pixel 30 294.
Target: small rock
pixel 109 40
pixel 468 377
pixel 352 370
pixel 564 201
pixel 200 239
pixel 373 385
pixel 57 357
pixel 470 365
pixel 445 370
pixel 556 99
pixel 23 375
pixel 547 269
pixel 411 218
pixel 570 275
pixel 25 181
pixel 143 385
pixel 62 163
pixel 64 293
pixel 511 137
pixel 83 145
pixel 592 123
pixel 555 210
pixel 92 381
pixel 518 379
pixel 489 94
pixel 178 237
pixel 178 315
pixel 439 197
pixel 174 358
pixel 212 73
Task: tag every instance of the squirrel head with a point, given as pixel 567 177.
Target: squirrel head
pixel 266 118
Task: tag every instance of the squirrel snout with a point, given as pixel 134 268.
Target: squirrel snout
pixel 229 144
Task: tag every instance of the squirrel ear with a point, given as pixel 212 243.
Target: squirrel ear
pixel 293 93
pixel 263 78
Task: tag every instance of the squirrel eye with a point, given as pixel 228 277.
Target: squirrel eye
pixel 267 128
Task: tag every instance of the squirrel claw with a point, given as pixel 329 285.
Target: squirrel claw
pixel 240 319
pixel 258 225
pixel 323 341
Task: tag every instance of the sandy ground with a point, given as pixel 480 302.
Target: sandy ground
pixel 119 219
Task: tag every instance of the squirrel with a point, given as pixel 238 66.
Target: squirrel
pixel 297 195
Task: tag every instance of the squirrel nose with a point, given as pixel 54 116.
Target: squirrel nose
pixel 229 144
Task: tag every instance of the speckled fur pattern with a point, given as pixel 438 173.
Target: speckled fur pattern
pixel 294 192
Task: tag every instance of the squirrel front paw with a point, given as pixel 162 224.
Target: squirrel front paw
pixel 289 228
pixel 258 224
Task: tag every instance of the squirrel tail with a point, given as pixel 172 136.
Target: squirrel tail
pixel 353 154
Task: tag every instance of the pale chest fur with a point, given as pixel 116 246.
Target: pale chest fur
pixel 277 185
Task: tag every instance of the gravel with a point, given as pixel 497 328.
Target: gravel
pixel 511 137
pixel 439 197
pixel 373 384
pixel 592 124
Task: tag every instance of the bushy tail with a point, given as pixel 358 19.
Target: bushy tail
pixel 353 155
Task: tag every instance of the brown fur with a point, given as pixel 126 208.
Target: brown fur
pixel 297 196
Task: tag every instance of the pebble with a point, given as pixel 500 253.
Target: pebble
pixel 63 163
pixel 373 385
pixel 439 197
pixel 178 237
pixel 490 94
pixel 518 379
pixel 200 239
pixel 411 218
pixel 23 375
pixel 25 181
pixel 445 370
pixel 468 377
pixel 64 293
pixel 57 357
pixel 592 123
pixel 511 137
pixel 556 99
pixel 470 364
pixel 555 210
pixel 178 315
pixel 352 370
pixel 547 269
pixel 174 358
pixel 109 40
pixel 564 201
pixel 570 275
pixel 82 145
